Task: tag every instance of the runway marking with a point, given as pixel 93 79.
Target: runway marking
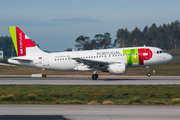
pixel 74 108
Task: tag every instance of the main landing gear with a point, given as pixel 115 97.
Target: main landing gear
pixel 95 76
pixel 148 73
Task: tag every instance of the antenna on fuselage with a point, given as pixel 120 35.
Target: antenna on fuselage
pixel 144 45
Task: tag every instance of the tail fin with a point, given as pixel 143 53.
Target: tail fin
pixel 23 45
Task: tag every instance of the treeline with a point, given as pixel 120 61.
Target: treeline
pixel 6 45
pixel 166 36
pixel 100 41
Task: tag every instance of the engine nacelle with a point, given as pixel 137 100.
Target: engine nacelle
pixel 117 68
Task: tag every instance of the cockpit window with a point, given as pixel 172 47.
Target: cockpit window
pixel 159 52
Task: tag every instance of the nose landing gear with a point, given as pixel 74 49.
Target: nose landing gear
pixel 148 73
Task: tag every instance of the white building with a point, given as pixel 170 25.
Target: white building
pixel 1 55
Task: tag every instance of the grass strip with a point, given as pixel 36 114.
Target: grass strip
pixel 91 94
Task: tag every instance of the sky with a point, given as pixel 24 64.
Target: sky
pixel 52 22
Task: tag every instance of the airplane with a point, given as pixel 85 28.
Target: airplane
pixel 114 61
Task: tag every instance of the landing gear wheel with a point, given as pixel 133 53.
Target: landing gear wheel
pixel 94 76
pixel 149 74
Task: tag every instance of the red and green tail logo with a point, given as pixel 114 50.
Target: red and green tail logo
pixel 20 41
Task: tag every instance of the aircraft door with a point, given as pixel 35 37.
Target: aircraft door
pixel 45 60
pixel 147 53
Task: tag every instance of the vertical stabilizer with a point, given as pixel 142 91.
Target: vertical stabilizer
pixel 23 44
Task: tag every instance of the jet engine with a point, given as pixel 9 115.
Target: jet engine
pixel 117 68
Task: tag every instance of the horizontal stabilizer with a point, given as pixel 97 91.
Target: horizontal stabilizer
pixel 21 59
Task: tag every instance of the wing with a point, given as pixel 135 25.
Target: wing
pixel 93 63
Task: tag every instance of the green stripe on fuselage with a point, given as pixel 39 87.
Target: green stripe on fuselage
pixel 132 56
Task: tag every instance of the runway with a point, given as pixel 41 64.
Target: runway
pixel 103 80
pixel 95 112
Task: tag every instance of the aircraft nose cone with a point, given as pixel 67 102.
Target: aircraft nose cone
pixel 169 57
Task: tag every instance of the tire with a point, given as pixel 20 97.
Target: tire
pixel 94 76
pixel 149 74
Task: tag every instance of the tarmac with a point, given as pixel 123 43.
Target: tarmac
pixel 90 112
pixel 86 80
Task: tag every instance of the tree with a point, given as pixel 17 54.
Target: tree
pixel 6 45
pixel 136 37
pixel 100 41
pixel 174 35
pixel 103 41
pixel 122 37
pixel 81 41
pixel 106 42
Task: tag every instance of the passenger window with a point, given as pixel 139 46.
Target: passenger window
pixel 157 52
pixel 160 51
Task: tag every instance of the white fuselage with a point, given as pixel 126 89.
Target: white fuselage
pixel 63 61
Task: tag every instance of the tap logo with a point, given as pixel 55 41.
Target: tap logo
pixel 137 56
